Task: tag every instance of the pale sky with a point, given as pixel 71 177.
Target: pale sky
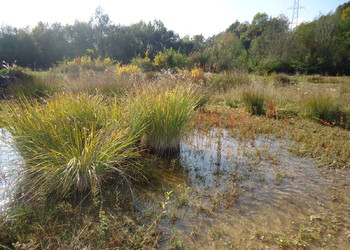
pixel 185 17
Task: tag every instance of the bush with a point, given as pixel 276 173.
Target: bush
pixel 70 144
pixel 197 75
pixel 145 64
pixel 124 70
pixel 78 64
pixel 170 59
pixel 270 65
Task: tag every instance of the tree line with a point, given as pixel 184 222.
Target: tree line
pixel 266 44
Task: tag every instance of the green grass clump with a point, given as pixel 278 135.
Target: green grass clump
pixel 324 108
pixel 254 100
pixel 227 80
pixel 33 87
pixel 69 143
pixel 166 113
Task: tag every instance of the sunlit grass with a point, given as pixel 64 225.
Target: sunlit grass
pixel 323 107
pixel 254 100
pixel 70 143
pixel 166 113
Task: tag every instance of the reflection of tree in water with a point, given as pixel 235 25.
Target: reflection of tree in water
pixel 218 159
pixel 10 162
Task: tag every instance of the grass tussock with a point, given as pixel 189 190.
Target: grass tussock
pixel 70 143
pixel 254 100
pixel 166 113
pixel 227 80
pixel 33 89
pixel 324 107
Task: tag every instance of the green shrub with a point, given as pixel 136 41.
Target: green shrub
pixel 145 64
pixel 69 143
pixel 170 59
pixel 270 65
pixel 86 62
pixel 254 100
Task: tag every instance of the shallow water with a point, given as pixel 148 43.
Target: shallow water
pixel 239 194
pixel 256 194
pixel 10 160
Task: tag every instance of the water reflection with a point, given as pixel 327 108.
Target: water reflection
pixel 10 161
pixel 275 191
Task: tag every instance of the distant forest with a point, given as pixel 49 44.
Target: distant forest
pixel 267 44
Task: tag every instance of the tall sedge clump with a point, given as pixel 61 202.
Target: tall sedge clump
pixel 254 100
pixel 324 108
pixel 69 143
pixel 165 113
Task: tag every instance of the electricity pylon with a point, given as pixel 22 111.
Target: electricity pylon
pixel 295 16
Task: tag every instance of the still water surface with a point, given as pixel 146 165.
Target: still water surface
pixel 257 194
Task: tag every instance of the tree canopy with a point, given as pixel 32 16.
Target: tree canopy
pixel 266 44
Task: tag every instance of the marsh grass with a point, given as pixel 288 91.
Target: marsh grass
pixel 254 100
pixel 324 107
pixel 69 143
pixel 106 82
pixel 33 88
pixel 225 81
pixel 166 113
pixel 64 226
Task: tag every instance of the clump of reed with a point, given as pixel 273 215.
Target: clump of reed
pixel 70 143
pixel 325 108
pixel 254 100
pixel 227 80
pixel 165 112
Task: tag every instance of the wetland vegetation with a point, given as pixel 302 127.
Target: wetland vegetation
pixel 172 152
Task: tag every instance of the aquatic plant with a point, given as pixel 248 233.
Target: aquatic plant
pixel 166 113
pixel 70 143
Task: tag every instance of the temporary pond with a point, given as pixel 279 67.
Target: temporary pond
pixel 254 193
pixel 237 193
